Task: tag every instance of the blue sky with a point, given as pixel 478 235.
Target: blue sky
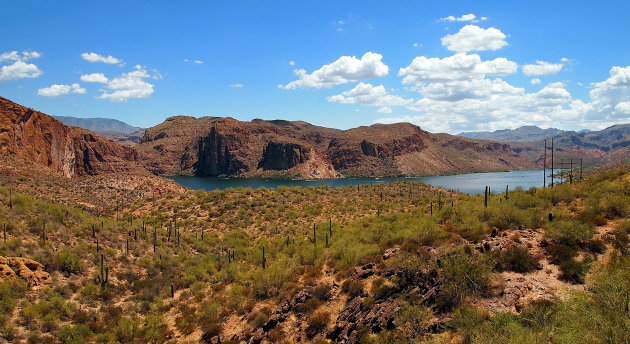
pixel 448 67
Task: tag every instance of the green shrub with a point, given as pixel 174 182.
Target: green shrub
pixel 259 318
pixel 595 246
pixel 322 292
pixel 352 288
pixel 413 319
pixel 573 271
pixel 74 334
pixel 66 260
pixel 560 253
pixel 569 232
pixel 317 323
pixel 307 307
pixel 539 313
pixel 11 289
pixel 516 259
pixel 462 274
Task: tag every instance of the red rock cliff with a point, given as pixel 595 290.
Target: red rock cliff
pixel 72 151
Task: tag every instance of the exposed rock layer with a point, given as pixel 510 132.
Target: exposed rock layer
pixel 69 150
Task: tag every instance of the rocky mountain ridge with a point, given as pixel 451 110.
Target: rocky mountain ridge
pixel 72 151
pixel 213 146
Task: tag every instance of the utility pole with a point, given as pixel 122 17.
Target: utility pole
pixel 552 162
pixel 545 166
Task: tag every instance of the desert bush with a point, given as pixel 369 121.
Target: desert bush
pixel 11 289
pixel 308 306
pixel 66 260
pixel 322 292
pixel 467 318
pixel 413 319
pixel 259 318
pixel 74 334
pixel 569 232
pixel 539 313
pixel 352 288
pixel 573 271
pixel 317 323
pixel 471 228
pixel 516 259
pixel 462 274
pixel 560 253
pixel 595 246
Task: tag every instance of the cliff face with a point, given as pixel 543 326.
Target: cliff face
pixel 214 157
pixel 72 151
pixel 282 156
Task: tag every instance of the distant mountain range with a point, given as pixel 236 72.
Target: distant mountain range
pixel 611 138
pixel 104 126
pixel 522 134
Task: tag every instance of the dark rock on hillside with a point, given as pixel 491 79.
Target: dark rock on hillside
pixel 282 156
pixel 214 157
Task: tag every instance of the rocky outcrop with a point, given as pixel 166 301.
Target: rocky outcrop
pixel 27 269
pixel 70 150
pixel 214 157
pixel 282 156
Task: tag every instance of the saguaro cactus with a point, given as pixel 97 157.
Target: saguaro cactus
pixel 103 276
pixel 264 259
pixel 172 290
pixel 485 198
pixel 506 192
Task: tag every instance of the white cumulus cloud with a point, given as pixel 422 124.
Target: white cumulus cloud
pixel 368 94
pixel 59 90
pixel 460 66
pixel 463 18
pixel 237 85
pixel 542 68
pixel 94 57
pixel 94 77
pixel 128 85
pixel 385 109
pixel 535 81
pixel 473 37
pixel 18 68
pixel 343 70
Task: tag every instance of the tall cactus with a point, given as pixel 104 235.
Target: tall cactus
pixel 264 259
pixel 103 276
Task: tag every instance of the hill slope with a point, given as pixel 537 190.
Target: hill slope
pixel 70 150
pixel 212 146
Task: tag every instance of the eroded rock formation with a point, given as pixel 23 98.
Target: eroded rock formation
pixel 282 156
pixel 70 150
pixel 27 269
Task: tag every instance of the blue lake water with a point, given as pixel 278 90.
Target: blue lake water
pixel 472 183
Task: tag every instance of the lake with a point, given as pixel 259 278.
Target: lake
pixel 471 183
